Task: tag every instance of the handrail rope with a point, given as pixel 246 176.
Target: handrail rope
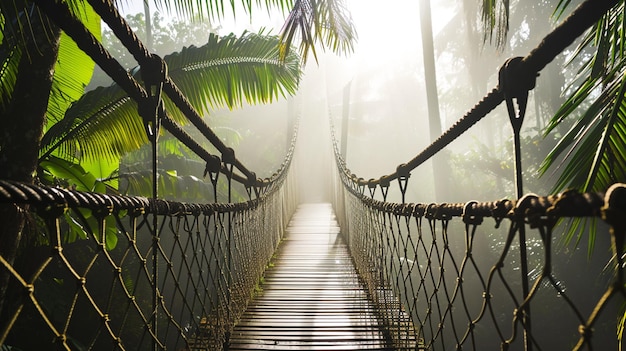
pixel 61 15
pixel 43 195
pixel 109 13
pixel 570 203
pixel 525 71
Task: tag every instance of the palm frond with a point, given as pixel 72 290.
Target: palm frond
pixel 326 21
pixel 229 70
pixel 9 60
pixel 591 154
pixel 73 69
pixel 216 9
pixel 495 21
pixel 105 124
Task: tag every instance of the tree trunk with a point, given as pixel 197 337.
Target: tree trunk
pixel 23 121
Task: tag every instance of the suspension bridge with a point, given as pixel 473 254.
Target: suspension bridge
pixel 270 273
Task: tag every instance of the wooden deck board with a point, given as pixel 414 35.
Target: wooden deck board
pixel 311 298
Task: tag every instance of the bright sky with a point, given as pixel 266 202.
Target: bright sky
pixel 392 25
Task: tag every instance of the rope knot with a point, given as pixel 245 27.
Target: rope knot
pixel 153 71
pixel 513 80
pixel 213 168
pixel 228 156
pixel 153 74
pixel 468 216
pixel 614 209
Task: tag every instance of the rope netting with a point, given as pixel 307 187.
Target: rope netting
pixel 456 277
pixel 128 284
pixel 439 273
pixel 115 272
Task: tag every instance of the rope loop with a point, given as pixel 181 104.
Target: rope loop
pixel 515 83
pixel 613 213
pixel 228 156
pixel 468 217
pixel 371 185
pixel 153 74
pixel 213 168
pixel 384 188
pixel 403 179
pixel 431 211
pixel 614 209
pixel 419 210
pixel 525 208
pixel 500 211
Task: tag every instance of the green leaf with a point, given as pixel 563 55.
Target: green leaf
pixel 111 235
pixel 76 229
pixel 72 172
pixel 74 68
pixel 104 123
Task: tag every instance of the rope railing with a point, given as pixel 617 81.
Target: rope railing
pixel 119 272
pixel 154 73
pixel 464 284
pixel 516 79
pixel 95 291
pixel 453 275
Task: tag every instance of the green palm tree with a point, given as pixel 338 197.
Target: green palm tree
pixel 591 123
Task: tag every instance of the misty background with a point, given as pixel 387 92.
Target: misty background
pixel 381 89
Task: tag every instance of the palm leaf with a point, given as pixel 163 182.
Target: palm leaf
pixel 495 21
pixel 104 123
pixel 229 70
pixel 326 21
pixel 73 69
pixel 591 153
pixel 216 8
pixel 9 61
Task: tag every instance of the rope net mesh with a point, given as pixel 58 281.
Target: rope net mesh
pixel 448 275
pixel 101 291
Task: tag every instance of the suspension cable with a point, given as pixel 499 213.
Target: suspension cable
pixel 61 15
pixel 109 13
pixel 523 74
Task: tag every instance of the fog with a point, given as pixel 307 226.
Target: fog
pixel 388 113
pixel 381 89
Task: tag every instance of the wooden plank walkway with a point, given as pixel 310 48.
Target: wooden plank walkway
pixel 312 298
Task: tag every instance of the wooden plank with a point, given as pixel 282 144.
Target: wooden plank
pixel 311 298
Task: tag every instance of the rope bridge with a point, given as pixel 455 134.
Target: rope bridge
pixel 119 272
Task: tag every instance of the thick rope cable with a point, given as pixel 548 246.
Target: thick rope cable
pixel 523 73
pixel 107 10
pixel 60 13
